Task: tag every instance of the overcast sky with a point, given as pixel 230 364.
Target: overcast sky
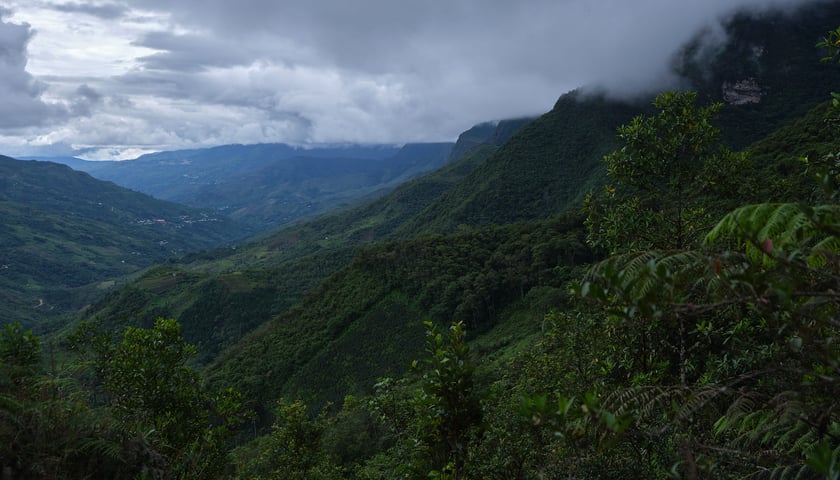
pixel 118 78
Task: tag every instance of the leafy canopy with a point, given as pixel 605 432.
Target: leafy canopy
pixel 668 177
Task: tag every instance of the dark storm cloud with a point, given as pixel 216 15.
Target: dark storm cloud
pixel 84 100
pixel 201 72
pixel 621 45
pixel 88 94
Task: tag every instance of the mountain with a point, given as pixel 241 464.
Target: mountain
pixel 516 191
pixel 321 310
pixel 507 172
pixel 380 218
pixel 364 322
pixel 545 168
pixel 270 184
pixel 220 295
pixel 67 237
pixel 767 72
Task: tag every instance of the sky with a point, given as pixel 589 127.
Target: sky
pixel 113 79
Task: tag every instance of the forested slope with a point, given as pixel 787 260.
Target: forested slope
pixel 366 320
pixel 220 295
pixel 64 233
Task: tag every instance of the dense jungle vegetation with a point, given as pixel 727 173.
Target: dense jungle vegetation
pixel 679 321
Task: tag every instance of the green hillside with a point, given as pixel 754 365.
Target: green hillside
pixel 545 168
pixel 66 237
pixel 220 295
pixel 777 158
pixel 215 310
pixel 365 321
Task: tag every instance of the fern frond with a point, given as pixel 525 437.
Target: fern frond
pixel 829 246
pixel 758 221
pixel 634 262
pixel 637 275
pixel 9 404
pixel 106 448
pixel 786 227
pixel 785 472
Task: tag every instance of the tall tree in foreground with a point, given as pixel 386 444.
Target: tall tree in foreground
pixel 668 179
pixel 447 407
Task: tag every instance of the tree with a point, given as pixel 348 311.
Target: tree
pixel 447 406
pixel 668 178
pixel 293 450
pixel 47 429
pixel 756 309
pixel 150 384
pixel 19 347
pixel 155 395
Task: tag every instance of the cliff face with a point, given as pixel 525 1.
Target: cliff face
pixel 742 92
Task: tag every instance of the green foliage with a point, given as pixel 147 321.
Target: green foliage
pixel 752 331
pixel 149 383
pixel 291 450
pixel 151 392
pixel 47 430
pixel 670 165
pixel 831 42
pixel 769 228
pixel 447 408
pixel 391 288
pixel 19 347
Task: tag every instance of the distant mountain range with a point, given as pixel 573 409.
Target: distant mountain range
pixel 267 185
pixel 65 235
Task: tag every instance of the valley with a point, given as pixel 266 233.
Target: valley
pixel 634 287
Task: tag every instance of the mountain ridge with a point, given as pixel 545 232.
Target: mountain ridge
pixel 268 185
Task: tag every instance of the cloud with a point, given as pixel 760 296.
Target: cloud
pixel 107 11
pixel 190 52
pixel 20 92
pixel 22 96
pixel 137 75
